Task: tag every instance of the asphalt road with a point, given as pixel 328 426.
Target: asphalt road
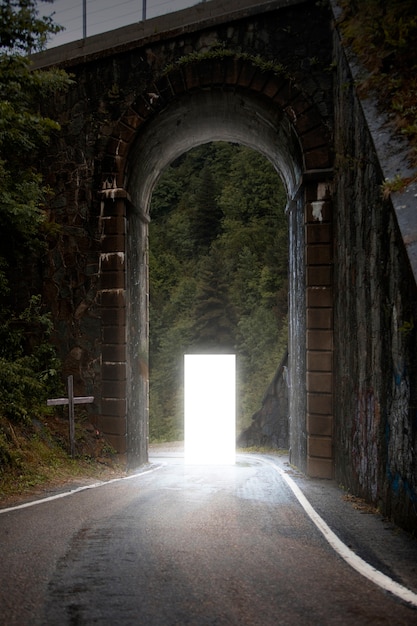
pixel 182 545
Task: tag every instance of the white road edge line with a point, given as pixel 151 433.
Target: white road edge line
pixel 64 494
pixel 355 561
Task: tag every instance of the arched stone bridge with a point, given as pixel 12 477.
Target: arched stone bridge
pixel 272 76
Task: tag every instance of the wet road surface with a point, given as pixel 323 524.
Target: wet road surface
pixel 182 545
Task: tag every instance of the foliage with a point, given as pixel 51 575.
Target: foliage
pixel 219 52
pixel 218 275
pixel 383 34
pixel 34 454
pixel 28 365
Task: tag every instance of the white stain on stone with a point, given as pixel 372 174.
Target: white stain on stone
pixel 105 257
pixel 322 190
pixel 317 210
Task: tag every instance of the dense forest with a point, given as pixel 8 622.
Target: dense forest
pixel 218 276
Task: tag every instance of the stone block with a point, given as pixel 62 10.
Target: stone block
pixel 319 254
pixel 312 138
pixel 113 298
pixel 319 275
pixel 320 403
pixel 114 389
pixel 112 280
pixel 319 382
pixel 114 335
pixel 125 134
pixel 270 89
pixel 320 318
pixel 114 408
pixel 113 371
pixel 318 159
pixel 113 353
pixel 319 361
pixel 191 76
pixel 320 468
pixel 113 317
pixel 112 425
pixel 325 212
pixel 305 123
pixel 112 262
pixel 113 207
pixel 320 340
pixel 321 425
pixel 258 82
pixel 118 146
pixel 246 75
pixel 132 119
pixel 319 297
pixel 301 107
pixel 114 225
pixel 318 233
pixel 232 70
pixel 284 94
pixel 321 447
pixel 113 243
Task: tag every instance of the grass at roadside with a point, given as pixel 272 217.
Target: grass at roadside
pixel 34 457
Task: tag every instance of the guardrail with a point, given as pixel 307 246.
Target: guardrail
pixel 91 17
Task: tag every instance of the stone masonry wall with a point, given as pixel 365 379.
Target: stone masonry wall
pixel 375 315
pixel 84 273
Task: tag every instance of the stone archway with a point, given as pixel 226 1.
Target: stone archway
pixel 236 102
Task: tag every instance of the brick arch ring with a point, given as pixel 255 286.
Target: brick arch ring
pixel 231 75
pixel 236 101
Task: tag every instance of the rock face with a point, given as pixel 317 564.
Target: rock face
pixel 269 426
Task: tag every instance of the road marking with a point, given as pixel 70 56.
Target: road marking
pixel 355 561
pixel 25 505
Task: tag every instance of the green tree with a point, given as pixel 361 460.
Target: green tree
pixel 214 319
pixel 26 359
pixel 23 129
pixel 207 214
pixel 218 269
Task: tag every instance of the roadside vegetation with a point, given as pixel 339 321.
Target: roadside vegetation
pixel 383 35
pixel 33 442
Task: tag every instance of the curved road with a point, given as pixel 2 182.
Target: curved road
pixel 181 545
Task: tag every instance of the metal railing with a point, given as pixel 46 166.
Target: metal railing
pixel 84 18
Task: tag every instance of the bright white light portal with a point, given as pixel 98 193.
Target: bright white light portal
pixel 209 409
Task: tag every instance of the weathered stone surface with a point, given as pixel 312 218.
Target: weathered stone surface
pixel 375 334
pixel 270 424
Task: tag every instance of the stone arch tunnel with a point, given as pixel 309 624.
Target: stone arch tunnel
pixel 268 75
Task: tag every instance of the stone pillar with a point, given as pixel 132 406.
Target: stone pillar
pixel 297 331
pixel 319 330
pixel 113 414
pixel 138 338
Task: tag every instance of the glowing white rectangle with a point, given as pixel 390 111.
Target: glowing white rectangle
pixel 209 409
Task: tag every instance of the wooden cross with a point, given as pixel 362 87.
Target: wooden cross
pixel 71 401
